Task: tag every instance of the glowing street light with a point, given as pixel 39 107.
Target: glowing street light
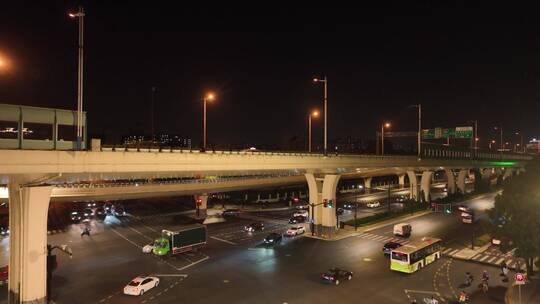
pixel 384 125
pixel 208 97
pixel 312 114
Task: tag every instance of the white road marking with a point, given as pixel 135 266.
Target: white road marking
pixel 492 259
pixel 499 261
pixel 137 231
pixel 454 252
pixel 447 250
pixel 484 258
pixel 222 240
pixel 171 275
pixel 194 263
pixel 125 238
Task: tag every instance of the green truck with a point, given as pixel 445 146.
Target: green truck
pixel 189 238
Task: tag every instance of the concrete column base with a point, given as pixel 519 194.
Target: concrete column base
pixel 201 213
pixel 324 231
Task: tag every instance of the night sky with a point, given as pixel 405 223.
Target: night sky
pixel 459 63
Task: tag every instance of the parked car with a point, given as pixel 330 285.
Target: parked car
pixel 295 230
pixel 139 285
pixel 373 204
pixel 297 219
pixel 388 247
pixel 273 238
pixel 303 213
pixel 258 226
pixel 336 275
pixel 230 212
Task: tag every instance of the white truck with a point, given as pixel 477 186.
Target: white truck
pixel 402 229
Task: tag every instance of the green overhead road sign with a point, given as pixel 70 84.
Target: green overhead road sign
pixel 437 133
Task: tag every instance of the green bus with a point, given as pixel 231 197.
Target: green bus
pixel 415 255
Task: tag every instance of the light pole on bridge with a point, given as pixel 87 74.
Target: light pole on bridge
pixel 312 114
pixel 208 97
pixel 80 16
pixel 324 80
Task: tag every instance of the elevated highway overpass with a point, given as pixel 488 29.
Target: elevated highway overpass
pixel 34 176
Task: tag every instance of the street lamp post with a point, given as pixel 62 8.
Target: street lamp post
pixel 501 142
pixel 80 16
pixel 384 125
pixel 208 97
pixel 325 81
pixel 312 114
pixel 521 141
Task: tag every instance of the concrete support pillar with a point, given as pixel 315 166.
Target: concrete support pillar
pixel 451 180
pixel 28 207
pixel 201 205
pixel 401 179
pixel 413 184
pixel 462 175
pixel 320 189
pixel 367 183
pixel 426 184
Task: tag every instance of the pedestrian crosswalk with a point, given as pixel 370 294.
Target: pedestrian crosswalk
pixel 382 238
pixel 491 257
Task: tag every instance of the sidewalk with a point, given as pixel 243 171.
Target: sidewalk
pixel 350 232
pixel 487 254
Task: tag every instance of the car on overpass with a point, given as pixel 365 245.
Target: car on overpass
pixel 336 275
pixel 139 285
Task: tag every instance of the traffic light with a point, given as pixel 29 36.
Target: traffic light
pixel 448 209
pixel 199 202
pixel 330 203
pixel 325 203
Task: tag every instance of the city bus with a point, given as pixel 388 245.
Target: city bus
pixel 415 255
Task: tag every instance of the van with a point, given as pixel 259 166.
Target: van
pixel 402 229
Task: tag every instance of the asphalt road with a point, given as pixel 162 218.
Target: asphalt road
pixel 236 268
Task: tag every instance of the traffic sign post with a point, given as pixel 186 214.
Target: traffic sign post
pixel 520 280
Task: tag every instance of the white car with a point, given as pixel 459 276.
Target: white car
pixel 148 248
pixel 373 204
pixel 140 285
pixel 303 213
pixel 295 230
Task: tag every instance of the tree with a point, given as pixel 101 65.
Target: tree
pixel 515 218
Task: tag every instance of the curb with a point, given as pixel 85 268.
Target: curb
pixel 56 231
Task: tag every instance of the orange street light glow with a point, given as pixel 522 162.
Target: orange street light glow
pixel 387 125
pixel 315 113
pixel 210 96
